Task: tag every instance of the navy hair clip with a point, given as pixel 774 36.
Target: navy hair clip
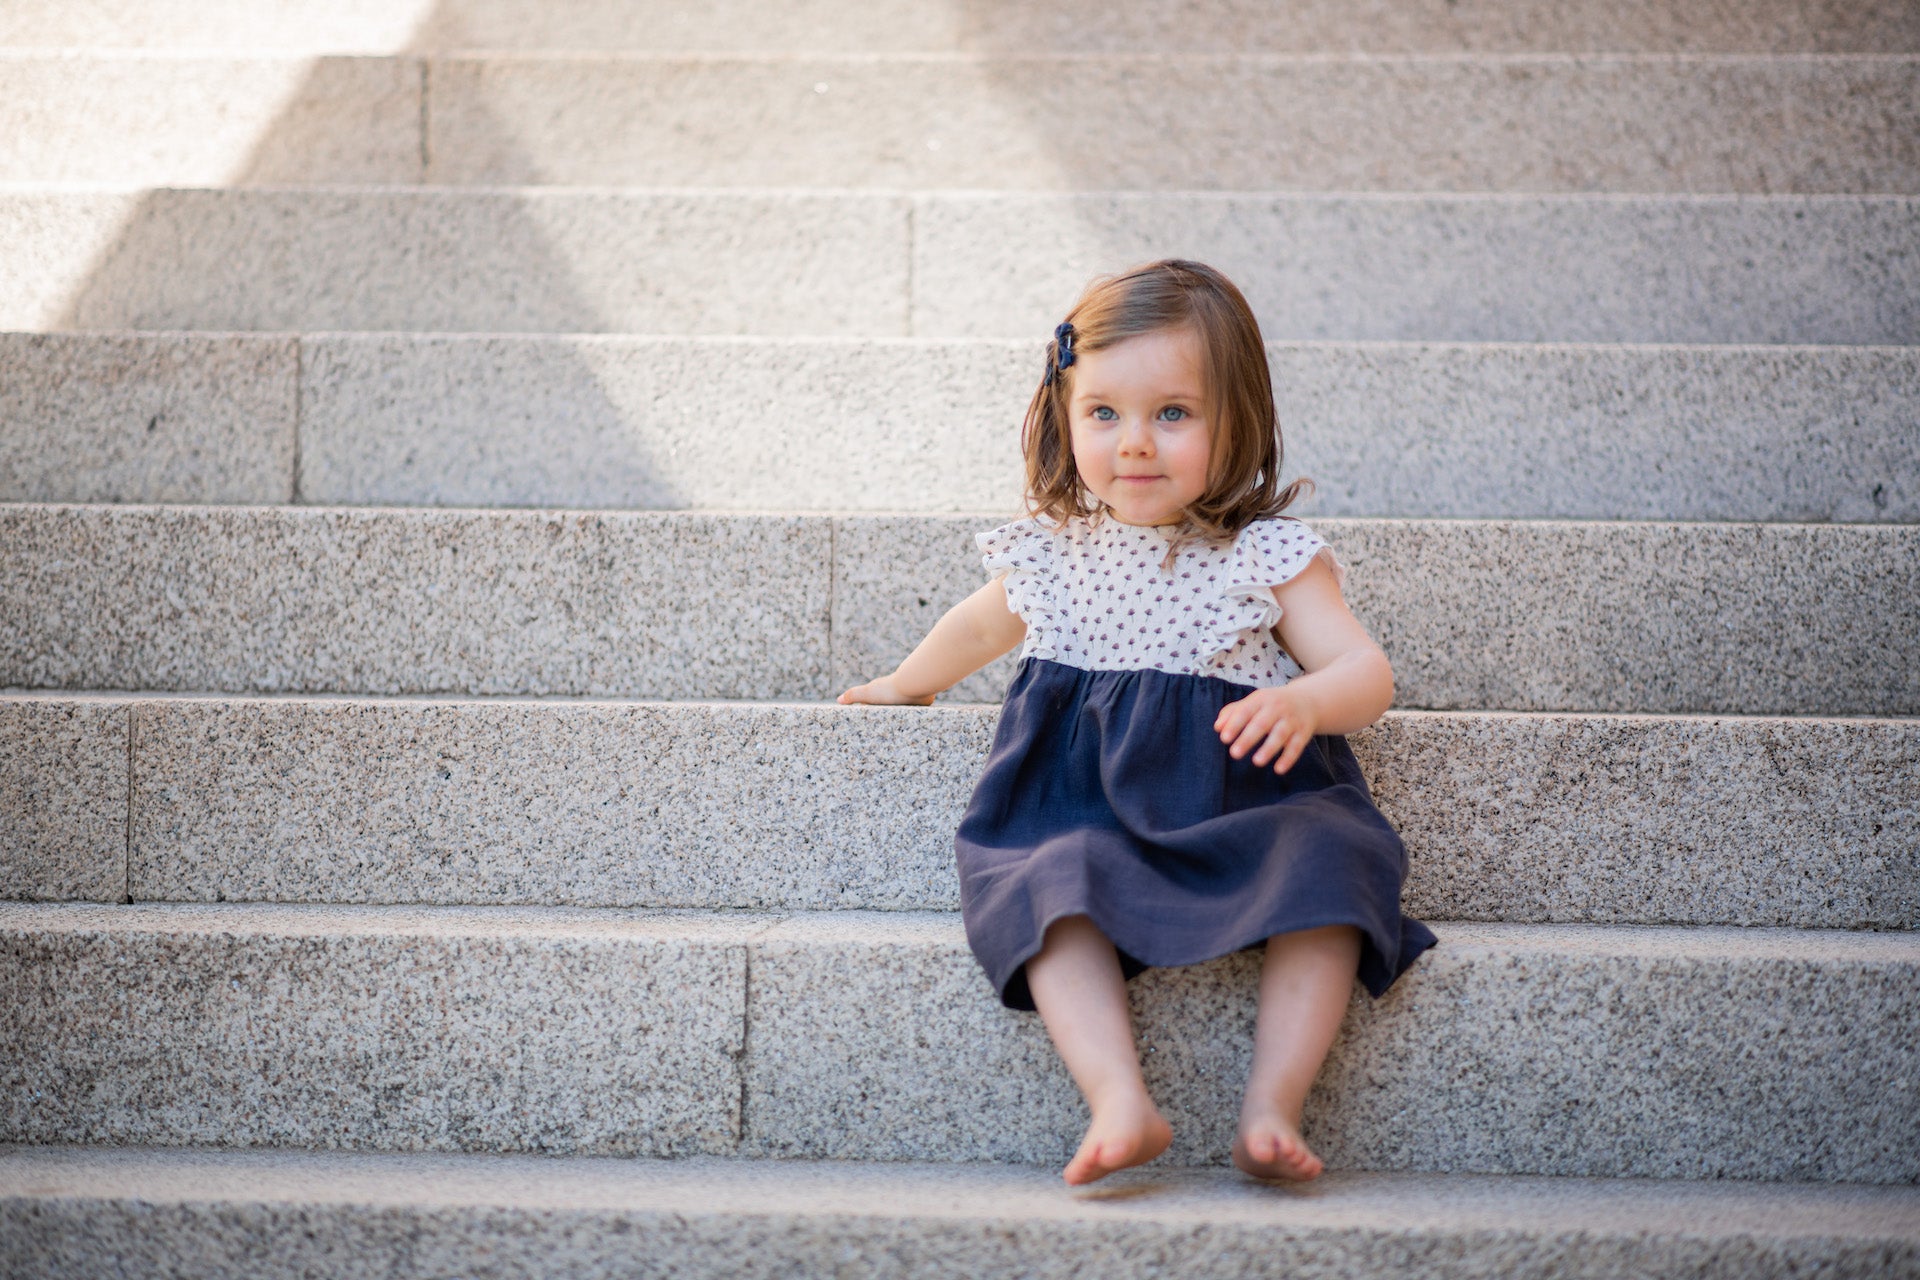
pixel 1063 347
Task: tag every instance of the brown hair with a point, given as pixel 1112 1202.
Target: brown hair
pixel 1244 467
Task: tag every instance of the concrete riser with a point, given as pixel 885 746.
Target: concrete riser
pixel 77 1212
pixel 556 602
pixel 1583 432
pixel 1752 619
pixel 1520 818
pixel 978 26
pixel 171 121
pixel 1766 125
pixel 1522 1049
pixel 381 258
pixel 1605 268
pixel 603 1035
pixel 1508 1049
pixel 1492 269
pixel 1524 615
pixel 264 1241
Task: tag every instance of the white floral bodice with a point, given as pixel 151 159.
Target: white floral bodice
pixel 1098 594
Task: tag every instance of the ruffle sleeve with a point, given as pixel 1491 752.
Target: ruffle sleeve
pixel 1266 554
pixel 1023 553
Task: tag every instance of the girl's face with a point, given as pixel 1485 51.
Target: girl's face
pixel 1138 414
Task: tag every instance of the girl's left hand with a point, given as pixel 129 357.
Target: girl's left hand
pixel 883 692
pixel 1269 722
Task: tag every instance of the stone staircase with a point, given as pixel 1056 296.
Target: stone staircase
pixel 452 451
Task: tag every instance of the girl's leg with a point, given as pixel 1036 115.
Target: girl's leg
pixel 1082 997
pixel 1305 983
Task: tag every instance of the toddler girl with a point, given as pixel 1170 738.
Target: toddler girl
pixel 1167 784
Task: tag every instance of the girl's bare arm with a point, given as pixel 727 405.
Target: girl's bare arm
pixel 1348 682
pixel 968 637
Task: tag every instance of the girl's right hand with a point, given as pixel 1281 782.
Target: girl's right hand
pixel 967 637
pixel 1279 721
pixel 884 693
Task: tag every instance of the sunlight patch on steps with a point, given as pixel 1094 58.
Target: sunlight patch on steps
pixel 289 26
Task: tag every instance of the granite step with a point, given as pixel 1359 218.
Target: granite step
pixel 1476 615
pixel 1385 429
pixel 1497 268
pixel 198 120
pixel 1771 124
pixel 1518 818
pixel 1768 124
pixel 1524 615
pixel 476 260
pixel 607 1032
pixel 1526 1049
pixel 979 26
pixel 1578 1051
pixel 262 1215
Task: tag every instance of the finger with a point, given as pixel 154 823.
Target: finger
pixel 1244 737
pixel 1271 745
pixel 1257 729
pixel 1299 744
pixel 1237 712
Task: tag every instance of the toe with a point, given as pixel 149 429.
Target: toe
pixel 1088 1165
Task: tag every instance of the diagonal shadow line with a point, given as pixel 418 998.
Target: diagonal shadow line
pixel 382 417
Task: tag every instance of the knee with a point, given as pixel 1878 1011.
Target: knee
pixel 1072 931
pixel 1333 942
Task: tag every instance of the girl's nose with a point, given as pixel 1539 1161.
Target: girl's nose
pixel 1136 439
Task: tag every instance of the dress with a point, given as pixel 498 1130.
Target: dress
pixel 1108 793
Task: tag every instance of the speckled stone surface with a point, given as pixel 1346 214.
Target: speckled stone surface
pixel 1572 1051
pixel 1521 615
pixel 1697 433
pixel 89 116
pixel 67 1211
pixel 1758 619
pixel 1396 429
pixel 588 803
pixel 462 261
pixel 1708 1053
pixel 1231 122
pixel 737 424
pixel 1506 817
pixel 893 578
pixel 146 418
pixel 536 1030
pixel 290 26
pixel 342 600
pixel 1000 26
pixel 1835 269
pixel 63 798
pixel 1674 820
pixel 1603 432
pixel 55 242
pixel 1838 269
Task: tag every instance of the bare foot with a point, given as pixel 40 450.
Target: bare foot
pixel 1270 1146
pixel 1122 1135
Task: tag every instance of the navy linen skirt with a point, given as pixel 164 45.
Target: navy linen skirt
pixel 1108 794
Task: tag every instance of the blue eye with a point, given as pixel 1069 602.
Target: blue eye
pixel 1104 414
pixel 1173 413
